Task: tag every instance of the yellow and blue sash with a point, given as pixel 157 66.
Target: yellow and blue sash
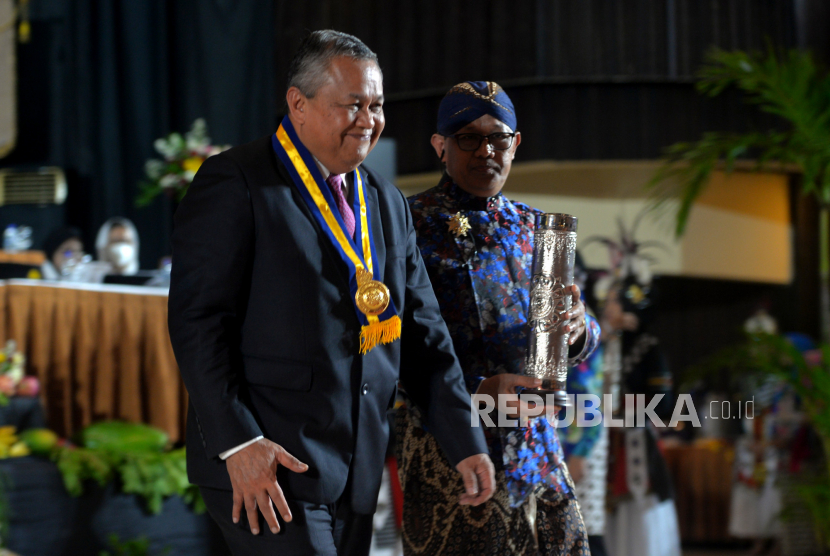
pixel 375 329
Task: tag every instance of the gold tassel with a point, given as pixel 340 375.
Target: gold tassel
pixel 379 333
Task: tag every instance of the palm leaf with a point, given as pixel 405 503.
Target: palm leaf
pixel 788 85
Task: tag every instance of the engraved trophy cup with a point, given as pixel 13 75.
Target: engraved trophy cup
pixel 553 270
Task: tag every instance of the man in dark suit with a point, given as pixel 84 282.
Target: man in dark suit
pixel 286 328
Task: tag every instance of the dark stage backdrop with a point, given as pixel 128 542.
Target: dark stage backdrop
pixel 591 79
pixel 101 80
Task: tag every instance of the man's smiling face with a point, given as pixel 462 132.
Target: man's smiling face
pixel 343 120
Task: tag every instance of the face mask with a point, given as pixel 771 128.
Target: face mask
pixel 121 254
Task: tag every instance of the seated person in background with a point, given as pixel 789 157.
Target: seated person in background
pixel 117 244
pixel 63 248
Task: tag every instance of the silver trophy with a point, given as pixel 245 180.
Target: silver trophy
pixel 553 271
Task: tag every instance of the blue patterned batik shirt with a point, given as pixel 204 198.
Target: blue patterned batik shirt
pixel 481 278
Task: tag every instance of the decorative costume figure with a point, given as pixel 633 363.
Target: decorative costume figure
pixel 586 447
pixel 642 519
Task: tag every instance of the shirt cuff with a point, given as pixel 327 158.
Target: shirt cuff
pixel 228 453
pixel 592 336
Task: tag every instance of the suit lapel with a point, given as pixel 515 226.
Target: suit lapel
pixel 379 245
pixel 322 239
pixel 372 203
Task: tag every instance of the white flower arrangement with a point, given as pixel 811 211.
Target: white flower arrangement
pixel 182 158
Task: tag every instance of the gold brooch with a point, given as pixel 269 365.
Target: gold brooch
pixel 459 225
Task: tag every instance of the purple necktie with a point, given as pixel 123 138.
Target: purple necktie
pixel 336 186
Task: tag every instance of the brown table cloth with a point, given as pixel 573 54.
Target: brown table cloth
pixel 100 352
pixel 703 483
pixel 34 258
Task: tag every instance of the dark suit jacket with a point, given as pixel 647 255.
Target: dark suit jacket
pixel 265 333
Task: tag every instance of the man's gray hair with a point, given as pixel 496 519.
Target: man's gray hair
pixel 308 69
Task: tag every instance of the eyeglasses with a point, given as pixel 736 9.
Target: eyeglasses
pixel 472 141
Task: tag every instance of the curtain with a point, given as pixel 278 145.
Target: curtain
pixel 104 79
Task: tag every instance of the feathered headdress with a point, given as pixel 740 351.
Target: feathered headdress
pixel 629 263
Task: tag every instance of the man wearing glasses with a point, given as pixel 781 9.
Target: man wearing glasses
pixel 478 247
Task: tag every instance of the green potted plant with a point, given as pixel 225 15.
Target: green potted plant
pixel 807 374
pixel 790 86
pixel 794 88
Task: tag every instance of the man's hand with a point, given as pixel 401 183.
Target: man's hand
pixel 577 465
pixel 253 472
pixel 507 383
pixel 479 479
pixel 575 317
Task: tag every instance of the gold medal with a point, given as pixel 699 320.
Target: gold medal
pixel 372 297
pixel 379 322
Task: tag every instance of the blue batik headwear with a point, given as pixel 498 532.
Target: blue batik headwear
pixel 468 101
